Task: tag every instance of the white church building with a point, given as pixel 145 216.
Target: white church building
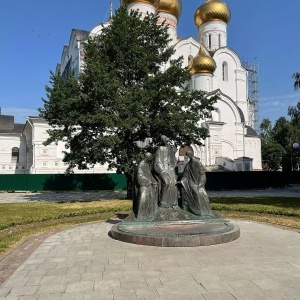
pixel 233 144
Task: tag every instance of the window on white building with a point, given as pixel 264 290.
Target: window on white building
pixel 247 167
pixel 219 40
pixel 15 155
pixel 225 71
pixel 209 41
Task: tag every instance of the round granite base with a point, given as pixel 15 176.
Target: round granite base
pixel 176 234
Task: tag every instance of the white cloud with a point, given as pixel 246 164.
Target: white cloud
pixel 274 107
pixel 279 101
pixel 282 97
pixel 19 113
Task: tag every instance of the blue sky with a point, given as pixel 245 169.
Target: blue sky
pixel 33 33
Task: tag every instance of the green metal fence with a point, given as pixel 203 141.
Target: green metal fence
pixel 87 182
pixel 60 182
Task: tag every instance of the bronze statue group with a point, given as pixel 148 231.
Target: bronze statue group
pixel 156 185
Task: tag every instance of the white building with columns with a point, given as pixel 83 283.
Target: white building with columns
pixel 215 68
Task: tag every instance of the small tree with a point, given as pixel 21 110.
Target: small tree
pixel 131 90
pixel 272 152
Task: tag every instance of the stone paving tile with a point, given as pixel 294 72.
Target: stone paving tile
pixel 72 296
pixel 98 296
pixel 52 289
pixel 4 291
pixel 17 291
pixel 218 296
pixel 127 271
pixel 53 296
pixel 31 297
pixel 146 293
pixel 248 295
pixel 243 285
pixel 124 294
pixel 83 286
pixel 267 284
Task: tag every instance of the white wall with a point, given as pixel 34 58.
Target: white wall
pixel 7 142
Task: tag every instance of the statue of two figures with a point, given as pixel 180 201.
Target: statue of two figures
pixel 156 186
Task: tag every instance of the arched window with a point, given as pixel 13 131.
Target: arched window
pixel 15 155
pixel 225 71
pixel 209 41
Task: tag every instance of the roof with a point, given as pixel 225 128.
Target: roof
pixel 7 125
pixel 244 158
pixel 227 158
pixel 251 131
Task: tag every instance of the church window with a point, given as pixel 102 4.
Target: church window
pixel 15 155
pixel 209 41
pixel 225 71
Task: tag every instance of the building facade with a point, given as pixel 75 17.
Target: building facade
pixel 232 145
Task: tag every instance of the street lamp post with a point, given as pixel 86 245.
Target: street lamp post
pixel 296 146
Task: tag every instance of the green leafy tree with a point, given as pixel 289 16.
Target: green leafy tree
pixel 277 144
pixel 131 90
pixel 266 130
pixel 296 76
pixel 272 152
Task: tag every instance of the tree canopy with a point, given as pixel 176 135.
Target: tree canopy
pixel 277 144
pixel 278 140
pixel 131 89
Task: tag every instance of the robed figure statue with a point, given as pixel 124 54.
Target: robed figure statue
pixel 194 196
pixel 145 191
pixel 164 167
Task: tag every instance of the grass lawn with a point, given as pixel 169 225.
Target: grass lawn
pixel 19 220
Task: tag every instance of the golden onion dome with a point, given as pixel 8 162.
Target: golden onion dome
pixel 153 2
pixel 172 7
pixel 212 10
pixel 202 63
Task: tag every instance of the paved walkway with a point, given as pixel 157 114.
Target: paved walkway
pixel 85 263
pixel 90 196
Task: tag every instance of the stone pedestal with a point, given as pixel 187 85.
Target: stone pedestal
pixel 187 231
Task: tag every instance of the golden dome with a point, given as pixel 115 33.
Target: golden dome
pixel 153 2
pixel 212 10
pixel 202 63
pixel 172 7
